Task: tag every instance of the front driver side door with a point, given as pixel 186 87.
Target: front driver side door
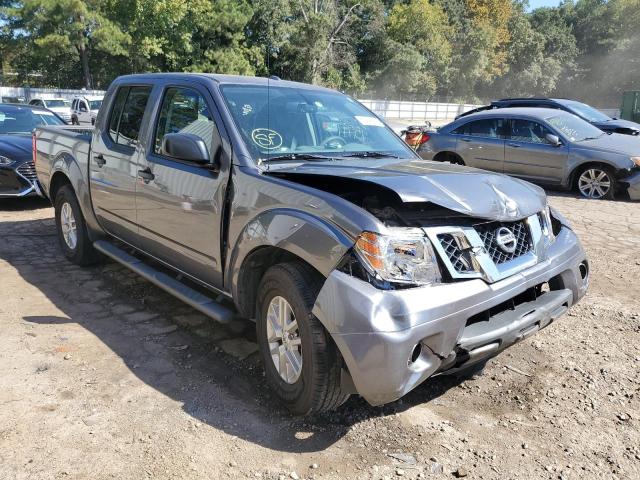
pixel 180 203
pixel 528 153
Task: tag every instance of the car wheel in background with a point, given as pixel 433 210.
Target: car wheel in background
pixel 72 231
pixel 596 181
pixel 301 362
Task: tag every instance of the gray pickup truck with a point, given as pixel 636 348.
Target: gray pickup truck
pixel 365 268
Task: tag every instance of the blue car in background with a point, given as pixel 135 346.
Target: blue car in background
pixel 17 171
pixel 586 112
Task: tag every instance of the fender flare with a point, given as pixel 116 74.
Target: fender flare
pixel 314 240
pixel 68 166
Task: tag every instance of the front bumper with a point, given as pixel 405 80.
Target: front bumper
pixel 633 186
pixel 19 180
pixel 392 341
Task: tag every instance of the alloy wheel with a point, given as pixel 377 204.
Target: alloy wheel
pixel 594 183
pixel 68 226
pixel 285 344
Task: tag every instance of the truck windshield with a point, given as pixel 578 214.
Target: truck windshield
pixel 574 127
pixel 281 121
pixel 20 120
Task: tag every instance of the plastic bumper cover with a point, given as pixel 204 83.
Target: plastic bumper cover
pixel 377 331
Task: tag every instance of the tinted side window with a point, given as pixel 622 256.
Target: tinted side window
pixel 528 131
pixel 487 128
pixel 132 113
pixel 116 112
pixel 185 111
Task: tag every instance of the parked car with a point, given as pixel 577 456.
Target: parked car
pixel 541 145
pixel 17 172
pixel 366 269
pixel 61 106
pixel 85 109
pixel 582 110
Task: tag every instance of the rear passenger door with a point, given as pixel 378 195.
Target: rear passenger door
pixel 528 154
pixel 180 203
pixel 114 161
pixel 480 143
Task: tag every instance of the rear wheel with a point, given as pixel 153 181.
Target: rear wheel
pixel 72 230
pixel 301 362
pixel 596 181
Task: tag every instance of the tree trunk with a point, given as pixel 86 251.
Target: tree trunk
pixel 86 73
pixel 83 51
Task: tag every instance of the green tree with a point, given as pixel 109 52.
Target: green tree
pixel 68 27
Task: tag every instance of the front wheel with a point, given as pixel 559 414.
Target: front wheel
pixel 301 362
pixel 597 182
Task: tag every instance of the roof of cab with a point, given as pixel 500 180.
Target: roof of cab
pixel 220 79
pixel 517 111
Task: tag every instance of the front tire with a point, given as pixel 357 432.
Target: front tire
pixel 301 362
pixel 72 229
pixel 596 182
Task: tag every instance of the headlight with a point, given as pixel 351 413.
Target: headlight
pixel 403 258
pixel 547 225
pixel 636 161
pixel 4 161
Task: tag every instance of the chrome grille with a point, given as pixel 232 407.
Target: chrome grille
pixel 28 171
pixel 487 232
pixel 455 254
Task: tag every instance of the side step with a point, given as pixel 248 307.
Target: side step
pixel 188 295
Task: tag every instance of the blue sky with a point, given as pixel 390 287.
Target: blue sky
pixel 543 3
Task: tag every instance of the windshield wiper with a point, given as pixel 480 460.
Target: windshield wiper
pixel 292 157
pixel 370 155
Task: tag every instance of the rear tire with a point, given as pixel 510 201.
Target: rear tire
pixel 72 229
pixel 302 364
pixel 596 182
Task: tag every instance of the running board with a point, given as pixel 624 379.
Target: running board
pixel 188 295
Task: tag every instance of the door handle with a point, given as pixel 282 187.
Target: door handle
pixel 100 160
pixel 514 145
pixel 146 175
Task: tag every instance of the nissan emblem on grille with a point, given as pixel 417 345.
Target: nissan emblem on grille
pixel 505 239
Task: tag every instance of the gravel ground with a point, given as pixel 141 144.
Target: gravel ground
pixel 105 376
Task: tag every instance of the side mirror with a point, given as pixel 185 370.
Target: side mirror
pixel 553 140
pixel 186 147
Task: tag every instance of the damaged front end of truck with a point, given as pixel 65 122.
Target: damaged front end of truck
pixel 464 264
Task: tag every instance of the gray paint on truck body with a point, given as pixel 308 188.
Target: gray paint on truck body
pixel 258 208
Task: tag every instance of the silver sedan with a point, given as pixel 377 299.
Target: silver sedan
pixel 541 145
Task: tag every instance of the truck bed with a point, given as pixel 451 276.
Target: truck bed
pixel 55 144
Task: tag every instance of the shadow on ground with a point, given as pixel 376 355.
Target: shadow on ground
pixel 190 364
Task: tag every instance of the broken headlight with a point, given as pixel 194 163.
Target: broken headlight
pixel 403 258
pixel 547 225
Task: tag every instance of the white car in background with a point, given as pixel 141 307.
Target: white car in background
pixel 84 109
pixel 59 106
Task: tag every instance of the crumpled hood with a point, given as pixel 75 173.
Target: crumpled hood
pixel 470 191
pixel 15 147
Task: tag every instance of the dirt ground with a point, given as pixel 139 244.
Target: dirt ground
pixel 104 376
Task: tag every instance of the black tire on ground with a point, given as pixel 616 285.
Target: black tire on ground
pixel 610 194
pixel 74 121
pixel 317 389
pixel 82 253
